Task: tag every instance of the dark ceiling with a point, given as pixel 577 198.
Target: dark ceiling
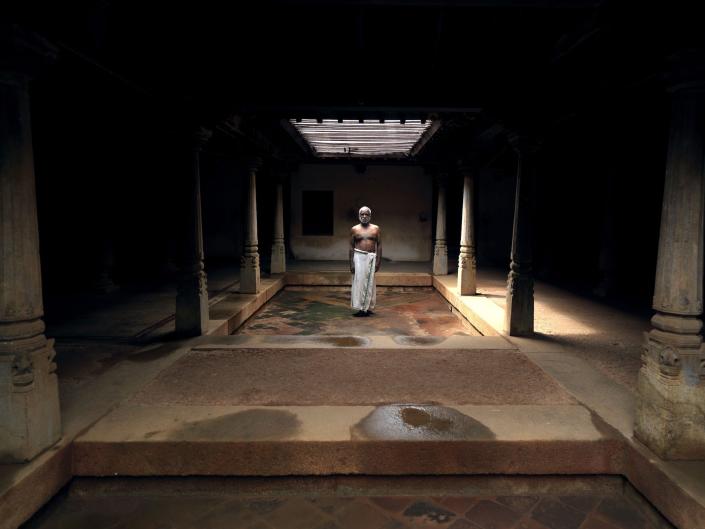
pixel 279 59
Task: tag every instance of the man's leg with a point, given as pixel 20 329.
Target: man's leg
pixel 373 293
pixel 356 292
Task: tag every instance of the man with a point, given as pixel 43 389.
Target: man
pixel 365 258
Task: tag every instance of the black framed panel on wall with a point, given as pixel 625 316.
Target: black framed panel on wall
pixel 317 212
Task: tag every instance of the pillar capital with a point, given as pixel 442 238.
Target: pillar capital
pixel 200 136
pixel 524 143
pixel 441 177
pixel 254 163
pixel 468 164
pixel 467 169
pixel 23 53
pixel 685 71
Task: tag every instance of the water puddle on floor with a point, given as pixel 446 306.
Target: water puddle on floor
pixel 348 502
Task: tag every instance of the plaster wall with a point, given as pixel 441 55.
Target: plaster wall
pixel 400 198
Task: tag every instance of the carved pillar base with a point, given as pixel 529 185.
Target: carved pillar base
pixel 278 258
pixel 249 273
pixel 519 312
pixel 467 272
pixel 440 259
pixel 670 416
pixel 192 304
pixel 29 391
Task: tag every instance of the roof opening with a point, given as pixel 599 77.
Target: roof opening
pixel 330 138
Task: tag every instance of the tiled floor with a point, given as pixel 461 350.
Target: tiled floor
pixel 320 310
pixel 326 512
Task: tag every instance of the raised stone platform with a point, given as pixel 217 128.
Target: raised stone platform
pixel 139 440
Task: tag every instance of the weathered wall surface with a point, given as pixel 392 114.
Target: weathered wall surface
pixel 400 198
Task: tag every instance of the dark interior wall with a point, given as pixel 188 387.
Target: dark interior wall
pixel 599 198
pixel 599 185
pixel 494 206
pixel 105 170
pixel 223 202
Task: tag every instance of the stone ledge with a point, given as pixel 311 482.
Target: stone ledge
pixel 242 341
pixel 33 484
pixel 319 440
pixel 480 311
pixel 235 308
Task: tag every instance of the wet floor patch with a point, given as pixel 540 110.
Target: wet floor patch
pixel 413 312
pixel 421 423
pixel 275 506
pixel 261 425
pixel 419 340
pixel 333 341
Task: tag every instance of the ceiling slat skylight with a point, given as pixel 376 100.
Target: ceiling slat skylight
pixel 350 138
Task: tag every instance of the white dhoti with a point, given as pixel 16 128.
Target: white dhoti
pixel 364 291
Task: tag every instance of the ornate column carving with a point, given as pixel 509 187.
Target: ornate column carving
pixel 519 311
pixel 467 263
pixel 249 264
pixel 278 249
pixel 670 415
pixel 192 291
pixel 440 250
pixel 29 396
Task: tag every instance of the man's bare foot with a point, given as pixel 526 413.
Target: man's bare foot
pixel 360 313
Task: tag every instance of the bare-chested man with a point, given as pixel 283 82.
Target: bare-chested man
pixel 365 258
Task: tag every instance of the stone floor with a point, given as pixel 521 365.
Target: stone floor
pixel 326 310
pixel 335 376
pixel 588 349
pixel 80 507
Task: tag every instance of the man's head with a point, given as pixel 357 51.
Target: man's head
pixel 365 215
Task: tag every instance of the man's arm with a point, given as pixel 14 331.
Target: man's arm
pixel 379 250
pixel 351 250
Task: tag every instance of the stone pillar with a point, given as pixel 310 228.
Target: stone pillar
pixel 670 416
pixel 440 250
pixel 519 311
pixel 29 397
pixel 249 265
pixel 278 250
pixel 192 291
pixel 467 264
